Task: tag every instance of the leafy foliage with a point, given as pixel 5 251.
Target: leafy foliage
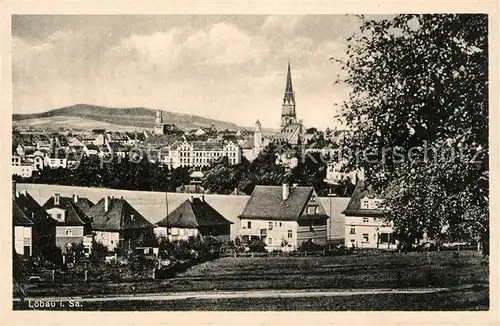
pixel 122 174
pixel 419 108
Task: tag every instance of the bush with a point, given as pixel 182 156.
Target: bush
pixel 310 246
pixel 257 245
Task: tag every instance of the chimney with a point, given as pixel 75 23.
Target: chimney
pixel 191 199
pixel 286 191
pixel 295 185
pixel 56 199
pixel 106 203
pixel 75 198
pixel 24 192
pixel 202 198
pixel 132 218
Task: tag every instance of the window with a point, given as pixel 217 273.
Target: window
pixel 281 224
pixel 275 223
pixel 365 203
pixel 290 234
pixel 58 217
pixel 313 198
pixel 69 232
pixel 270 225
pixel 353 230
pixel 270 241
pixel 366 219
pixel 311 209
pixel 365 237
pixel 249 225
pixel 111 241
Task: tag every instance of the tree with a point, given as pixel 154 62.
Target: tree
pixel 419 88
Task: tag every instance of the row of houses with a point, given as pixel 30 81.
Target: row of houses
pixel 284 217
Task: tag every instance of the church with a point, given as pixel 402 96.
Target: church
pixel 291 131
pixel 161 128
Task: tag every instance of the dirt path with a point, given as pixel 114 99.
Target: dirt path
pixel 235 294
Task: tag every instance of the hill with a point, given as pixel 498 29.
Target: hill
pixel 138 117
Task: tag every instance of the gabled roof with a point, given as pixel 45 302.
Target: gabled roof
pixel 194 214
pixel 119 216
pixel 289 132
pixel 74 215
pixel 266 202
pixel 30 207
pixel 361 191
pixel 19 217
pixel 84 204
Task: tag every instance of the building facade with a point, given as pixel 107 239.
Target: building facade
pixel 200 153
pixel 284 217
pixel 192 218
pixel 364 224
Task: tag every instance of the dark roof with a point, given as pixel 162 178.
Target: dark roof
pixel 289 132
pixel 74 215
pixel 117 147
pixel 120 216
pixel 193 214
pixel 266 202
pixel 84 204
pixel 93 147
pixel 30 206
pixel 361 191
pixel 19 217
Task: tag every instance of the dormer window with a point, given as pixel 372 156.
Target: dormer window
pixel 365 203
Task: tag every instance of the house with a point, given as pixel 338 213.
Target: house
pixel 23 231
pixel 190 189
pixel 73 225
pixel 335 174
pixel 195 217
pixel 57 159
pixel 83 203
pixel 24 169
pixel 116 148
pixel 364 223
pixel 115 221
pixel 36 235
pixel 284 217
pixel 38 159
pixel 90 149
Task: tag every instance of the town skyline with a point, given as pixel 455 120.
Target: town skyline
pixel 230 68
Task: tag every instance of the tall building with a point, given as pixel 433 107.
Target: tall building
pixel 292 131
pixel 158 127
pixel 288 114
pixel 257 139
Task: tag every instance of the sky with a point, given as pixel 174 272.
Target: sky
pixel 231 68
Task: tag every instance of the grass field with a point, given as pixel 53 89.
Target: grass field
pixel 367 271
pixel 472 299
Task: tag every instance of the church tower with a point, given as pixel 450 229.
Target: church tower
pixel 158 128
pixel 159 118
pixel 257 135
pixel 288 114
pixel 258 140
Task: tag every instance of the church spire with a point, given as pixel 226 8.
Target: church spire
pixel 288 114
pixel 289 88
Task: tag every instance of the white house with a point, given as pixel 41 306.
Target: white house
pixel 284 217
pixel 364 223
